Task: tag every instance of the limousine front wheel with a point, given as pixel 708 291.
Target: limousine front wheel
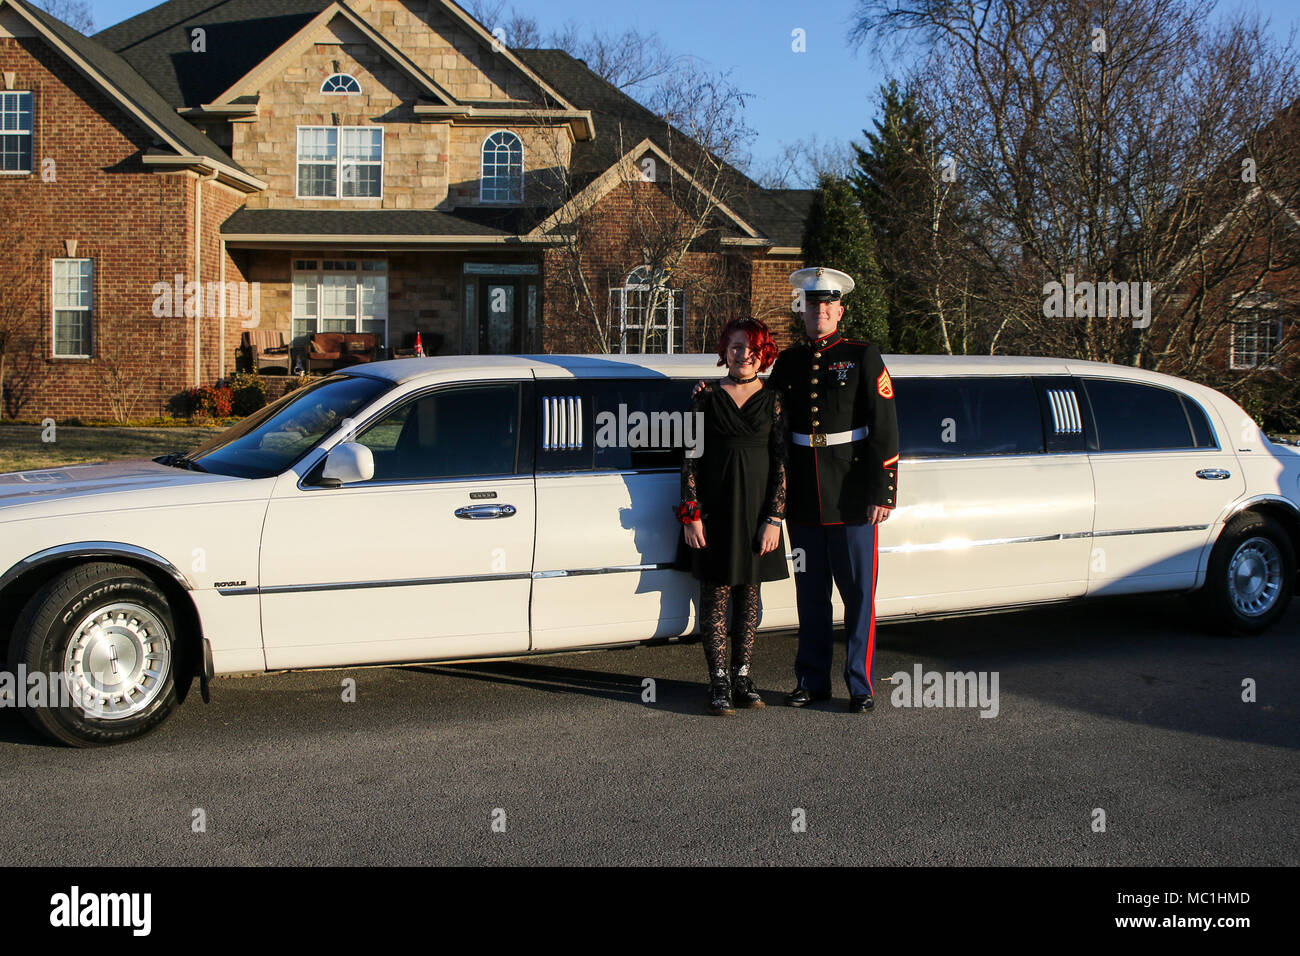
pixel 99 643
pixel 1250 576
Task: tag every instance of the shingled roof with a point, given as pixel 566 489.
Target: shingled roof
pixel 359 222
pixel 239 34
pixel 129 84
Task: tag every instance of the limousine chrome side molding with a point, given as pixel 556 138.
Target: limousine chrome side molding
pixel 960 544
pixel 94 549
pixel 451 579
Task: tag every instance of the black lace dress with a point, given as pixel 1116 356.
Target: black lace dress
pixel 738 481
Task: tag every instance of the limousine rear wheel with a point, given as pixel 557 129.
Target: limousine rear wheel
pixel 103 639
pixel 1250 575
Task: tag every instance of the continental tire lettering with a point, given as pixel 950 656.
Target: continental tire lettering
pixel 93 594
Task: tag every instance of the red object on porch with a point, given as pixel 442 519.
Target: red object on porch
pixel 419 346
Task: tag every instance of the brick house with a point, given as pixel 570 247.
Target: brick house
pixel 376 166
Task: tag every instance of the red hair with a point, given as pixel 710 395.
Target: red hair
pixel 760 340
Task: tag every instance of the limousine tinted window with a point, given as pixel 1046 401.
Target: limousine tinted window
pixel 614 425
pixel 1201 429
pixel 448 433
pixel 967 416
pixel 1129 416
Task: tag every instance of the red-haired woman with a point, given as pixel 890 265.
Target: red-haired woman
pixel 733 502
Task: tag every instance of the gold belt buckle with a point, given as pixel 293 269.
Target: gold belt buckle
pixel 817 441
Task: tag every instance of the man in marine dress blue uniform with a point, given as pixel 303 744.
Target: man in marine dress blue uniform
pixel 842 483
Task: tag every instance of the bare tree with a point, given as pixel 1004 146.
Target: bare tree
pixel 1100 144
pixel 22 280
pixel 633 61
pixel 75 13
pixel 671 201
pixel 801 164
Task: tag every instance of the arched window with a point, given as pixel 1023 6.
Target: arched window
pixel 340 83
pixel 503 168
pixel 651 313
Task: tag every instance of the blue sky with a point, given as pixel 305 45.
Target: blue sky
pixel 828 91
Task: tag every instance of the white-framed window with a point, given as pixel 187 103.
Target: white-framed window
pixel 340 84
pixel 631 304
pixel 15 132
pixel 1256 330
pixel 340 162
pixel 340 295
pixel 503 168
pixel 73 294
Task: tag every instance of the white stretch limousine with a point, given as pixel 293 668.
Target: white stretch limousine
pixel 474 507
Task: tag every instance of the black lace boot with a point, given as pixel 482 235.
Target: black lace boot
pixel 720 696
pixel 744 693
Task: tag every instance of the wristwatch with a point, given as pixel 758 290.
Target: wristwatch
pixel 774 521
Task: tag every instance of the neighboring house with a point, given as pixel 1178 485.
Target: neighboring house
pixel 1234 269
pixel 371 166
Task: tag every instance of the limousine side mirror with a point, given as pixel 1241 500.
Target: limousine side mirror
pixel 346 463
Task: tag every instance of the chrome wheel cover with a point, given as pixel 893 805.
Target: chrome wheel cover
pixel 1255 576
pixel 117 661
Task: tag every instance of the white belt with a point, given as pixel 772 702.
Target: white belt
pixel 830 438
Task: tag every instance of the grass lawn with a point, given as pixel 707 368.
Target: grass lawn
pixel 21 448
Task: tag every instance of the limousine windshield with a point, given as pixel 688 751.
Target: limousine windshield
pixel 273 438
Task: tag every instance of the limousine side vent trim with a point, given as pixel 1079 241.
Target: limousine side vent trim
pixel 1065 411
pixel 562 423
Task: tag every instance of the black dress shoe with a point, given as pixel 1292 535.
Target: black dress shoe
pixel 801 696
pixel 860 703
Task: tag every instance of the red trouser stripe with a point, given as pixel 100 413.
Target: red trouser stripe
pixel 871 628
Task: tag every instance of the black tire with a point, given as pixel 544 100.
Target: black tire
pixel 1250 543
pixel 106 654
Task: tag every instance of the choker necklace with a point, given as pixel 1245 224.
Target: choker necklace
pixel 741 381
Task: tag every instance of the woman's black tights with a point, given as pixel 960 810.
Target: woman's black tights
pixel 713 625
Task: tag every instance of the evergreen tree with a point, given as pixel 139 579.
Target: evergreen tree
pixel 891 180
pixel 837 235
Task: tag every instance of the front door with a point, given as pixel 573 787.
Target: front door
pixel 430 559
pixel 500 316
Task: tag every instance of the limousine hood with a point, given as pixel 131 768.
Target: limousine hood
pixel 135 483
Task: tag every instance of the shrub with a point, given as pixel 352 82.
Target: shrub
pixel 206 402
pixel 248 393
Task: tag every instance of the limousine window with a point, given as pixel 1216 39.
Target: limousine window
pixel 604 433
pixel 275 437
pixel 666 398
pixel 448 433
pixel 1201 429
pixel 967 416
pixel 1128 416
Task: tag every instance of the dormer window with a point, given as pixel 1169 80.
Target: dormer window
pixel 503 168
pixel 341 84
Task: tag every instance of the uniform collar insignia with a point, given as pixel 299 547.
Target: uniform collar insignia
pixel 827 340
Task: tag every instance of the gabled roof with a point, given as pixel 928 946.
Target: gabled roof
pixel 625 167
pixel 240 34
pixel 137 98
pixel 249 84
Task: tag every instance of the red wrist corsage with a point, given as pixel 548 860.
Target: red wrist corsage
pixel 687 512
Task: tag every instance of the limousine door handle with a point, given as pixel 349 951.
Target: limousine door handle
pixel 1214 474
pixel 485 511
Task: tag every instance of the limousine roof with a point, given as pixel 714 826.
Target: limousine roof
pixel 682 366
